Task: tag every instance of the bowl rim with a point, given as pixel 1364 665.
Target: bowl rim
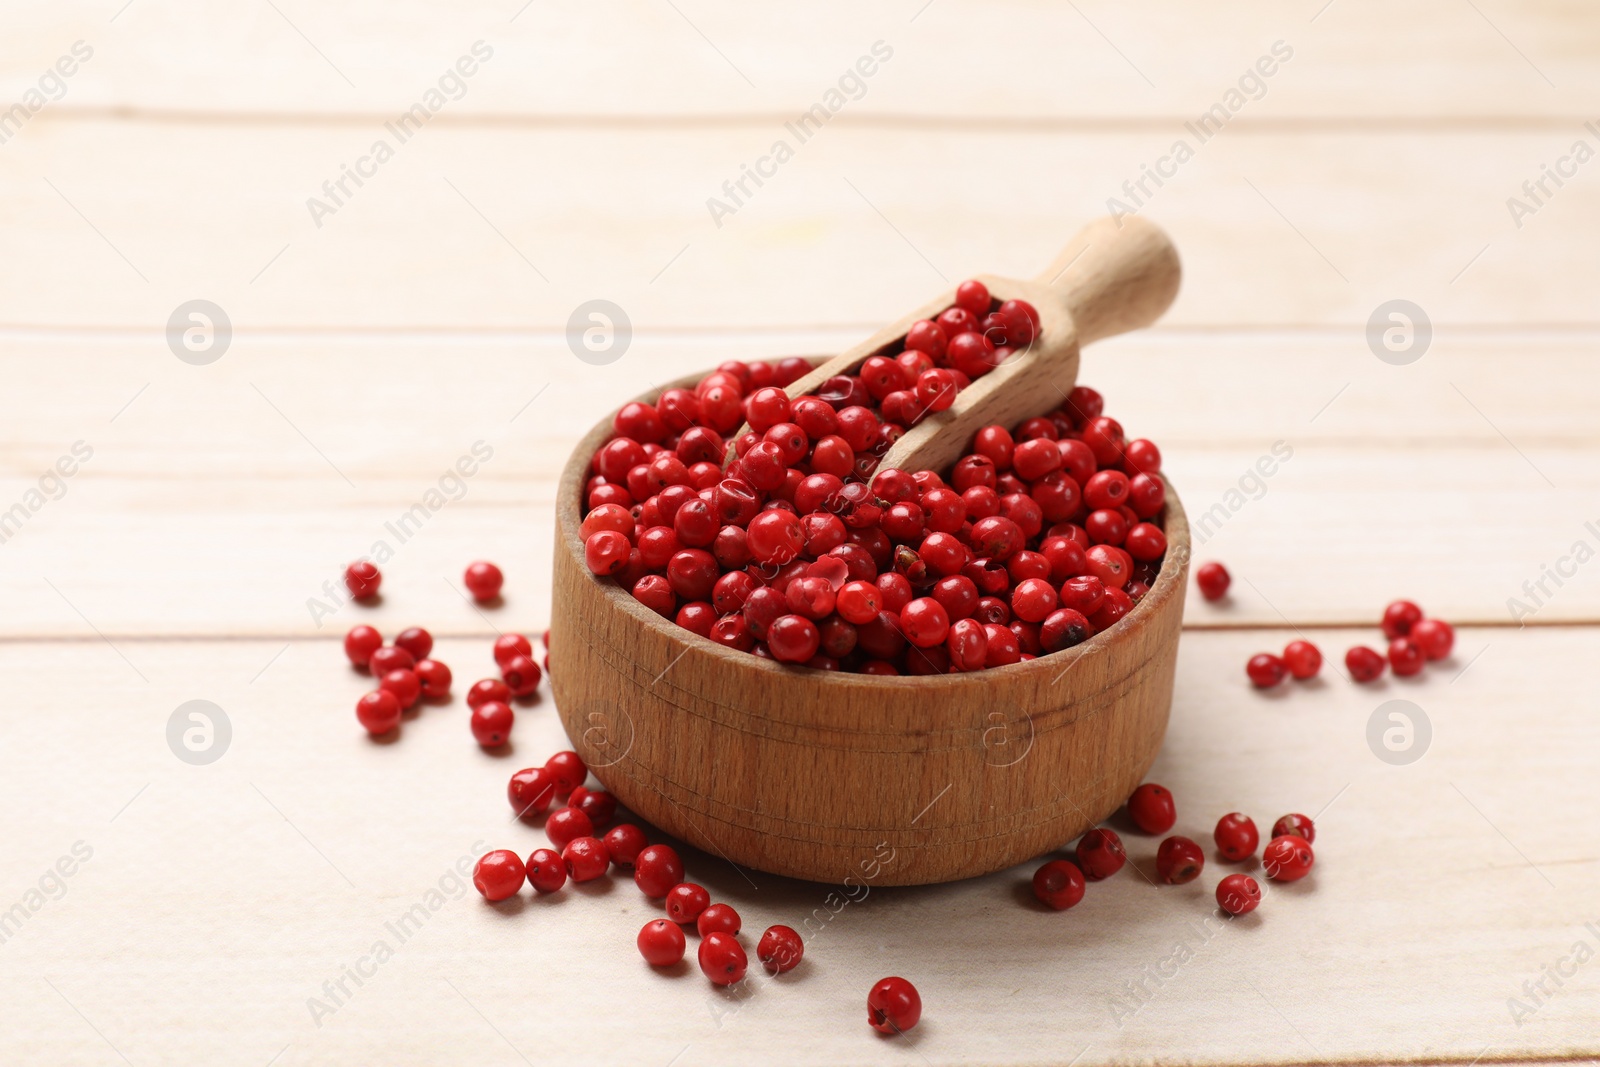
pixel 575 473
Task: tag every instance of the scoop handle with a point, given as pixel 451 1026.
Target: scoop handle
pixel 1114 276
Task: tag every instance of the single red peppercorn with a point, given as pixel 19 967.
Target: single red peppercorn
pixel 1265 670
pixel 780 949
pixel 685 902
pixel 1434 636
pixel 435 678
pixel 567 770
pixel 566 825
pixel 416 641
pixel 498 874
pixel 1287 858
pixel 508 647
pixel 546 870
pixel 1179 860
pixel 1364 664
pixel 1405 658
pixel 483 579
pixel 1152 808
pixel 1100 854
pixel 1236 836
pixel 718 917
pixel 624 842
pixel 1058 884
pixel 491 723
pixel 600 806
pixel 360 643
pixel 656 870
pixel 1399 618
pixel 661 943
pixel 1298 825
pixel 722 958
pixel 486 690
pixel 586 858
pixel 1238 894
pixel 1213 580
pixel 390 658
pixel 893 1006
pixel 793 638
pixel 530 791
pixel 521 675
pixel 378 711
pixel 362 578
pixel 405 685
pixel 1303 659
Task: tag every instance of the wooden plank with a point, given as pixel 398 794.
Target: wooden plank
pixel 712 60
pixel 258 878
pixel 114 224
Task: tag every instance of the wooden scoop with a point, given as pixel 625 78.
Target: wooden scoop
pixel 1111 278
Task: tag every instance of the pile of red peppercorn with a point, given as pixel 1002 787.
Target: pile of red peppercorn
pixel 1413 642
pixel 804 551
pixel 1061 883
pixel 405 674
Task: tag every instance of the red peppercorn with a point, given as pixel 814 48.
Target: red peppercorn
pixel 546 870
pixel 606 552
pixel 416 641
pixel 491 723
pixel 792 639
pixel 1238 894
pixel 567 771
pixel 1303 659
pixel 661 943
pixel 1405 657
pixel 1063 628
pixel 1058 884
pixel 405 685
pixel 484 579
pixel 508 647
pixel 685 902
pixel 624 842
pixel 435 678
pixel 521 675
pixel 1236 836
pixel 498 874
pixel 378 711
pixel 586 858
pixel 1100 854
pixel 717 917
pixel 1399 618
pixel 893 1006
pixel 390 658
pixel 1434 636
pixel 360 643
pixel 780 949
pixel 1152 808
pixel 1213 580
pixel 1287 858
pixel 1265 670
pixel 1179 860
pixel 1364 664
pixel 657 869
pixel 1298 825
pixel 362 578
pixel 530 791
pixel 566 825
pixel 600 806
pixel 925 622
pixel 486 690
pixel 722 959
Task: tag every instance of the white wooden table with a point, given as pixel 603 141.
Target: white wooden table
pixel 207 906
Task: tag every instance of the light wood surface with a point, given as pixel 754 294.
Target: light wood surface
pixel 429 313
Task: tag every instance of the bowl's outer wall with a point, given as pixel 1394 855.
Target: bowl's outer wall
pixel 827 776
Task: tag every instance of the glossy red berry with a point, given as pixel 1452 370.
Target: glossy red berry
pixel 1298 825
pixel 390 658
pixel 1399 618
pixel 491 723
pixel 567 771
pixel 378 711
pixel 486 690
pixel 546 870
pixel 435 678
pixel 780 949
pixel 530 791
pixel 360 643
pixel 1303 659
pixel 599 805
pixel 1238 894
pixel 1213 580
pixel 521 675
pixel 605 552
pixel 1434 636
pixel 405 685
pixel 483 580
pixel 499 874
pixel 924 622
pixel 1236 836
pixel 1265 670
pixel 685 902
pixel 624 842
pixel 508 647
pixel 1100 854
pixel 893 1006
pixel 1364 664
pixel 586 858
pixel 722 958
pixel 1287 858
pixel 566 825
pixel 416 641
pixel 661 943
pixel 1152 808
pixel 718 917
pixel 1058 884
pixel 792 639
pixel 1405 658
pixel 362 578
pixel 1179 860
pixel 656 870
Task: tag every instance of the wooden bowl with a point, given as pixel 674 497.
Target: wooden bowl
pixel 827 776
